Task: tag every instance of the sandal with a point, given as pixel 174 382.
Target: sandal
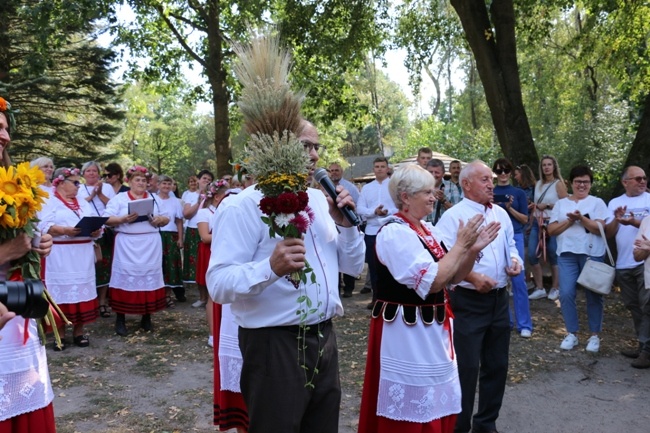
pixel 170 302
pixel 81 341
pixel 103 311
pixel 57 348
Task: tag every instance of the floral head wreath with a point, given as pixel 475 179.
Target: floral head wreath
pixel 5 108
pixel 214 187
pixel 64 174
pixel 137 169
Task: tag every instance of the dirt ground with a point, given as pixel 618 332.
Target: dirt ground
pixel 162 382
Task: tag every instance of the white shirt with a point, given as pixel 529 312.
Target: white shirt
pixel 639 206
pixel 240 272
pixel 549 190
pixel 172 208
pixel 498 254
pixel 189 199
pixel 372 195
pixel 575 239
pixel 399 248
pixel 98 208
pixel 644 229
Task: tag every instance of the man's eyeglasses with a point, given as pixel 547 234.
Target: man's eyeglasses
pixel 499 171
pixel 309 146
pixel 638 179
pixel 74 182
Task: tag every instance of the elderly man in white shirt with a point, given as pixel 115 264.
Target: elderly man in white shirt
pixel 480 303
pixel 248 269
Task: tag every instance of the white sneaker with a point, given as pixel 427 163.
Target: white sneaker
pixel 593 344
pixel 538 293
pixel 211 341
pixel 569 342
pixel 199 304
pixel 553 294
pixel 526 333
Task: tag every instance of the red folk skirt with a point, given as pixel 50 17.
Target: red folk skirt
pixel 202 262
pixel 229 407
pixel 82 312
pixel 140 303
pixel 38 421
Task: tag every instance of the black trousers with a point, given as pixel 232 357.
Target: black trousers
pixel 273 380
pixel 482 342
pixel 348 283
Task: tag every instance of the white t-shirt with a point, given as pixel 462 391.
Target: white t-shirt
pixel 96 204
pixel 190 199
pixel 575 239
pixel 644 229
pixel 172 207
pixel 639 206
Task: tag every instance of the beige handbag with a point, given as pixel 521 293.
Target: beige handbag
pixel 596 276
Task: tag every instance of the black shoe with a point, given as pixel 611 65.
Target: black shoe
pixel 365 290
pixel 146 324
pixel 370 305
pixel 120 325
pixel 347 294
pixel 179 293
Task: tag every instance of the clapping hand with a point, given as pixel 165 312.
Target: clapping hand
pixel 642 244
pixel 621 215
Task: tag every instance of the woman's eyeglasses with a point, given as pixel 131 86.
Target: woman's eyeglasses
pixel 500 171
pixel 581 182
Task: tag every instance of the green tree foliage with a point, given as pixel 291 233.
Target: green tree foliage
pixel 164 134
pixel 327 37
pixel 55 74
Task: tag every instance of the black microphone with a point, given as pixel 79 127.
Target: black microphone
pixel 320 174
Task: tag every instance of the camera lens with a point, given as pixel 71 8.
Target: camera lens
pixel 25 298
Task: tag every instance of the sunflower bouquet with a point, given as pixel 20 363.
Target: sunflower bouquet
pixel 20 200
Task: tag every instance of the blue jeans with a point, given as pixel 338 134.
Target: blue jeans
pixel 569 267
pixel 520 292
pixel 533 241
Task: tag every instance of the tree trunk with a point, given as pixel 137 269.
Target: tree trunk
pixel 220 96
pixel 639 154
pixel 496 61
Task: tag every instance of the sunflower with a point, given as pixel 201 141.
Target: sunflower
pixel 29 177
pixel 8 185
pixel 26 208
pixel 9 220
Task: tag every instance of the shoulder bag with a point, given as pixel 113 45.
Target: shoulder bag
pixel 597 276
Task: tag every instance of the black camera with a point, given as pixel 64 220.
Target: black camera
pixel 25 298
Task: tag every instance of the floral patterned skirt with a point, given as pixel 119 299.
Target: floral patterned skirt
pixel 190 254
pixel 172 264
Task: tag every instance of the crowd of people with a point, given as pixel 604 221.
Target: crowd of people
pixel 445 251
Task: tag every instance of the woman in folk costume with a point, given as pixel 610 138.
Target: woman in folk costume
pixel 214 193
pixel 411 383
pixel 97 193
pixel 172 238
pixel 70 282
pixel 25 388
pixel 137 285
pixel 191 206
